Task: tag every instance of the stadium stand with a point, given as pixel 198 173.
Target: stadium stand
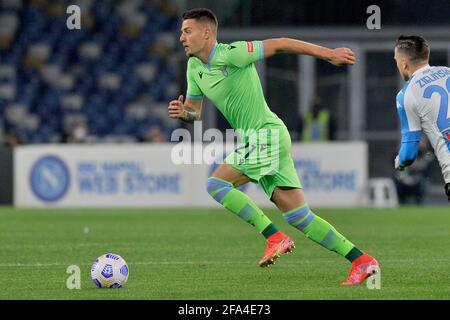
pixel 115 73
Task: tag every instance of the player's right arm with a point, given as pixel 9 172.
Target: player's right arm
pixel 411 131
pixel 191 109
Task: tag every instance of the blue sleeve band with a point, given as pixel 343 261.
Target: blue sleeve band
pixel 408 153
pixel 261 50
pixel 192 97
pixel 411 136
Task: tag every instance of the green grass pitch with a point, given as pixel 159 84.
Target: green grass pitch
pixel 212 254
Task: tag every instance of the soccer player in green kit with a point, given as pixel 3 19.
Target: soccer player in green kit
pixel 226 75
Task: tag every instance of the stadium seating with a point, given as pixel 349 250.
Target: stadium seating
pixel 115 73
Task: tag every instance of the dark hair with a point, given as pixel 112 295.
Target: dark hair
pixel 415 47
pixel 201 14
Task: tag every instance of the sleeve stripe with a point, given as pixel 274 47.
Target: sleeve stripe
pixel 401 112
pixel 408 153
pixel 261 50
pixel 194 97
pixel 411 136
pixel 406 124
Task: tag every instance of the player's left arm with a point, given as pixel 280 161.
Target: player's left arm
pixel 243 53
pixel 337 57
pixel 411 132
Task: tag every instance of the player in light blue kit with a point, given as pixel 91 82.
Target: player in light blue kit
pixel 422 104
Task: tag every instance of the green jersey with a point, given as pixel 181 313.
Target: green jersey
pixel 230 81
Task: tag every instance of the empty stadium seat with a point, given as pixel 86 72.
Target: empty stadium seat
pixel 50 75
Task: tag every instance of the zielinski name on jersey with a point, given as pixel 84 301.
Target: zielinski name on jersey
pixel 422 82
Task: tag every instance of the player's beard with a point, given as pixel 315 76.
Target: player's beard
pixel 189 55
pixel 405 75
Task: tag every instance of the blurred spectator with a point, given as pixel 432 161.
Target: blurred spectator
pixel 154 134
pixel 410 182
pixel 79 133
pixel 50 74
pixel 317 124
pixel 12 139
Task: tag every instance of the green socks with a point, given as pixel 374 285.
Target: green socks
pixel 320 231
pixel 240 204
pixel 302 218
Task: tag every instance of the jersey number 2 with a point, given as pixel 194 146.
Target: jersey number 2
pixel 443 122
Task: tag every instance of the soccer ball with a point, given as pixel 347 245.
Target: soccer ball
pixel 109 271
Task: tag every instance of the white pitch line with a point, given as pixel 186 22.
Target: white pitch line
pixel 58 264
pixel 246 262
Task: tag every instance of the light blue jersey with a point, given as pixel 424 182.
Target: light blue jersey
pixel 423 106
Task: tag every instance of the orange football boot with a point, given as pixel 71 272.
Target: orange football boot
pixel 277 244
pixel 362 268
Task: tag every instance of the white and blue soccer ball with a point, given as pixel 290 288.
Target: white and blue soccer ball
pixel 109 271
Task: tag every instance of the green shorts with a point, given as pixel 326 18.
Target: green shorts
pixel 265 157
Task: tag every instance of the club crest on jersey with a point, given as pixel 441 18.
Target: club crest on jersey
pixel 224 71
pixel 447 135
pixel 200 74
